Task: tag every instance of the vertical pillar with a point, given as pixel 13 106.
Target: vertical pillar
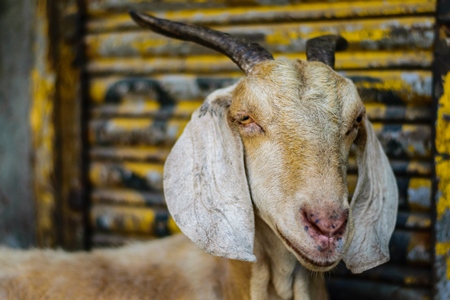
pixel 441 94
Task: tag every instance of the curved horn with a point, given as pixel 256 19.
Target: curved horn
pixel 322 48
pixel 244 53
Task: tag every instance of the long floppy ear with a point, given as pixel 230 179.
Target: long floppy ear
pixel 374 204
pixel 205 185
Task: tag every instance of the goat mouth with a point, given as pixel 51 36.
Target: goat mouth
pixel 303 256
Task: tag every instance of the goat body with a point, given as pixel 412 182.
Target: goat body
pixel 170 268
pixel 258 179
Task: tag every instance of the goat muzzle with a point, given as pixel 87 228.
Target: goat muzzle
pixel 326 228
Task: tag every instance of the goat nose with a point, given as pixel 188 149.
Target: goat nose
pixel 326 223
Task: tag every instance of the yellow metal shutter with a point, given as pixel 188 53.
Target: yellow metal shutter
pixel 143 88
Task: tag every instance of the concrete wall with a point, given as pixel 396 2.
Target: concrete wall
pixel 17 210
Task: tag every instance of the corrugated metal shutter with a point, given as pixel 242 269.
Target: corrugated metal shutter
pixel 143 88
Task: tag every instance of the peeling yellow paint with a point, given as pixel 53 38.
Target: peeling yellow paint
pixel 43 131
pixel 443 148
pixel 133 153
pixel 416 183
pixel 419 221
pixel 409 86
pixel 354 32
pixel 128 219
pixel 120 124
pixel 410 280
pixel 447 262
pixel 143 45
pixel 443 173
pixel 144 169
pixel 97 91
pixel 151 106
pixel 376 110
pixel 443 124
pixel 294 11
pixel 214 63
pixel 173 227
pixel 418 167
pixel 393 84
pixel 443 249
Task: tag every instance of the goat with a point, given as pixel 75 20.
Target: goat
pixel 258 180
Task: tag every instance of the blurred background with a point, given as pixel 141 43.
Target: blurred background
pixel 90 105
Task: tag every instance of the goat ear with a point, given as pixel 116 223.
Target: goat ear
pixel 374 204
pixel 205 185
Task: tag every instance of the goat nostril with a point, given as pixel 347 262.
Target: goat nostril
pixel 325 224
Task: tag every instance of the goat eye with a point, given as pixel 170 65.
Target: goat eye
pixel 245 120
pixel 359 119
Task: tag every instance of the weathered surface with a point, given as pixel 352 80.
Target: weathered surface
pixel 219 64
pixel 150 221
pixel 269 14
pixel 369 35
pixel 43 131
pixel 373 290
pixel 17 210
pixel 403 275
pixel 389 87
pixel 103 7
pixel 441 88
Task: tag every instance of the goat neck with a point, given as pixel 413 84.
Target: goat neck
pixel 277 274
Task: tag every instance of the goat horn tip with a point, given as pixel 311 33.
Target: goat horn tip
pixel 341 43
pixel 140 18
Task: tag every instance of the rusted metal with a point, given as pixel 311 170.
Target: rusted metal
pixel 142 131
pixel 43 130
pixel 183 110
pixel 127 197
pixel 412 141
pixel 140 176
pixel 404 275
pixel 346 289
pixel 409 220
pixel 441 96
pixel 106 7
pixel 269 14
pixel 150 221
pixel 400 141
pixel 412 248
pixel 370 35
pixel 217 64
pixel 120 154
pixel 414 193
pixel 410 88
pixel 69 133
pixel 401 167
pixel 393 88
pixel 59 191
pixel 102 7
pixel 180 87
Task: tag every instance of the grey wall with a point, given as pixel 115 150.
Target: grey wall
pixel 17 211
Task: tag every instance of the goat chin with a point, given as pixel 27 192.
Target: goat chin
pixel 258 179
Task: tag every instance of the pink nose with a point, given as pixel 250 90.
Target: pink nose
pixel 325 227
pixel 328 224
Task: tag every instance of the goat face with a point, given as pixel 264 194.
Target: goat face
pixel 297 122
pixel 276 144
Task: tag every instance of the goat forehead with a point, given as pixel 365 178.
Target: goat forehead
pixel 310 90
pixel 298 97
